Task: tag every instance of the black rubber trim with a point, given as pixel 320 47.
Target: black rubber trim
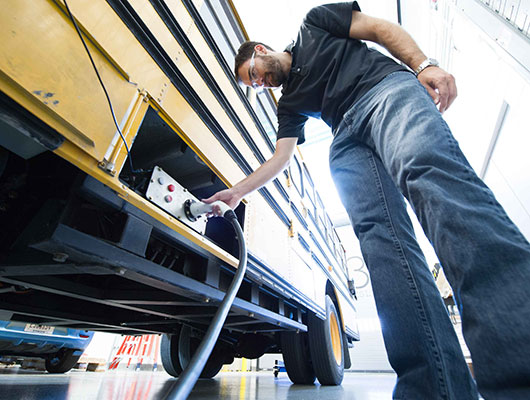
pixel 274 204
pixel 308 176
pixel 137 27
pixel 19 118
pixel 319 247
pixel 299 216
pixel 304 244
pixel 317 260
pixel 281 189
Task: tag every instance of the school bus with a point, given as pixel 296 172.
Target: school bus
pixel 94 171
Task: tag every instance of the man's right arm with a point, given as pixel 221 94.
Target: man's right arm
pixel 440 84
pixel 264 174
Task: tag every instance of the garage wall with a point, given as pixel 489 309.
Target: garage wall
pixel 490 116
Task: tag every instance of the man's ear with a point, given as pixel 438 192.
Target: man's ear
pixel 260 49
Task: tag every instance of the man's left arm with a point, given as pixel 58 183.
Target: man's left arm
pixel 439 83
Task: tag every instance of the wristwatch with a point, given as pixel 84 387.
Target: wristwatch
pixel 427 63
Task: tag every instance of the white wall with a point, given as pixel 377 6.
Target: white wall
pixel 486 76
pixel 102 345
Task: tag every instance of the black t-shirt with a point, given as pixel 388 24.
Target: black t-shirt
pixel 329 70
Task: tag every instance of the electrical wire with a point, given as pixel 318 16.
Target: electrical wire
pixel 104 89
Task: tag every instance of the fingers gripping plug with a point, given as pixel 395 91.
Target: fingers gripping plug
pixel 194 209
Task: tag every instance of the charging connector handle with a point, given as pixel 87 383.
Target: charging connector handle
pixel 197 208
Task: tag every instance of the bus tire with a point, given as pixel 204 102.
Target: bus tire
pixel 295 350
pixel 326 347
pixel 177 350
pixel 347 358
pixel 169 353
pixel 188 344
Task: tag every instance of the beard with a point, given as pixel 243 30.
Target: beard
pixel 274 74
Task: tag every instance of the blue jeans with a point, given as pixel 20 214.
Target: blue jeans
pixel 394 142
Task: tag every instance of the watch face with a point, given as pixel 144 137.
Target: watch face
pixel 434 62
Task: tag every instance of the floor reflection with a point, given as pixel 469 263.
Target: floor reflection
pixel 130 385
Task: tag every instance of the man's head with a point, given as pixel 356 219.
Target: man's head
pixel 257 65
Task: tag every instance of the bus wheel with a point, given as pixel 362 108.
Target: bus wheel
pixel 347 358
pixel 177 350
pixel 295 350
pixel 326 347
pixel 169 353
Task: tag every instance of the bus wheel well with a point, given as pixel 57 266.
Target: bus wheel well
pixel 330 291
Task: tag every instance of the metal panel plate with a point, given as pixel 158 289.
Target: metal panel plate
pixel 168 194
pixel 42 58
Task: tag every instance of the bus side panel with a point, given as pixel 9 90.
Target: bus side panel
pixel 301 269
pixel 267 237
pixel 320 279
pixel 64 83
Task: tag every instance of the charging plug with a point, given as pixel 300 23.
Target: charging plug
pixel 194 209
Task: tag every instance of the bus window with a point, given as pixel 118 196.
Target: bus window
pixel 319 214
pixel 336 244
pixel 309 187
pixel 227 36
pixel 311 204
pixel 296 176
pixel 269 106
pixel 329 227
pixel 308 176
pixel 266 122
pixel 342 252
pixel 322 228
pixel 320 205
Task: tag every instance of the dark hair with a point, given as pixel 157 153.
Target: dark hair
pixel 244 53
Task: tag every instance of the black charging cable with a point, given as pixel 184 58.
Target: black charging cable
pixel 189 376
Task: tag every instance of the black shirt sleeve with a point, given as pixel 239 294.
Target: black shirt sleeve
pixel 291 125
pixel 333 18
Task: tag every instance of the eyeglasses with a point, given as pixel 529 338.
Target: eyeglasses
pixel 252 75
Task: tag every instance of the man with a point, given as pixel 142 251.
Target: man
pixel 390 140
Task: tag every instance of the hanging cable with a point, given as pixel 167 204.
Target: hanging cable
pixel 192 371
pixel 104 90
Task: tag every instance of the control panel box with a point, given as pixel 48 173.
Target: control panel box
pixel 169 195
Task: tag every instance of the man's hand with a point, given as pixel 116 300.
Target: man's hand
pixel 440 85
pixel 228 196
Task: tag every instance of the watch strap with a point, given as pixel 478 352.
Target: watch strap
pixel 428 62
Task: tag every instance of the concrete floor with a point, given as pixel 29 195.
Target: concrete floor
pixel 129 385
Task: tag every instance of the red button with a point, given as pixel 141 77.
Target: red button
pixel 168 199
pixel 171 188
